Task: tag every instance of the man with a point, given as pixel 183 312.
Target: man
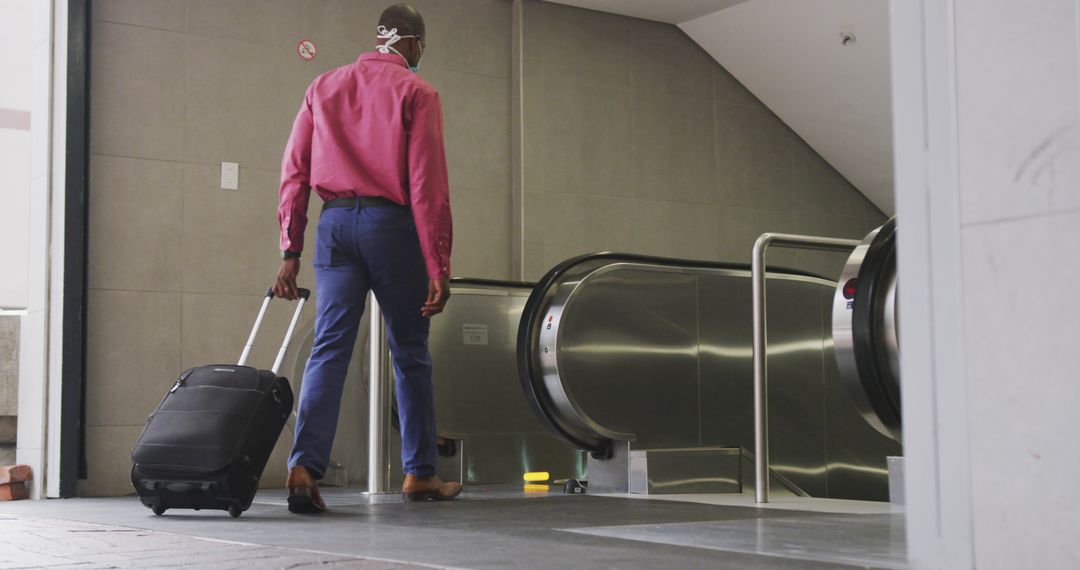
pixel 369 140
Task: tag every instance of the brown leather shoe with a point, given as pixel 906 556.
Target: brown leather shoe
pixel 304 494
pixel 428 489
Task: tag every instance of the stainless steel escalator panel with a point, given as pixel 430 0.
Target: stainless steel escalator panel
pixel 629 339
pixel 661 355
pixel 479 324
pixel 796 347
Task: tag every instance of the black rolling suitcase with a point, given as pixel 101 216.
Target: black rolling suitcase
pixel 207 443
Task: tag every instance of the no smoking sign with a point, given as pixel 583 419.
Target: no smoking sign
pixel 307 50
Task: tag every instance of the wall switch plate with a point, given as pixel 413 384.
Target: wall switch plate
pixel 230 175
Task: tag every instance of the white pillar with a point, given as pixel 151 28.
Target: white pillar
pixel 986 117
pixel 40 328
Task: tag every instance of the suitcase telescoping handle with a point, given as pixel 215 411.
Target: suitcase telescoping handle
pixel 304 294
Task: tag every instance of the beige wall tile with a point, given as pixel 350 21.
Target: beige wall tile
pixel 672 149
pixel 535 231
pixel 132 354
pixel 136 92
pixel 215 328
pixel 580 45
pixel 573 224
pixel 9 366
pixel 470 36
pixel 277 469
pixel 676 229
pixel 825 263
pixel 728 89
pixel 668 64
pixel 241 101
pixel 481 233
pixel 339 28
pixel 135 223
pixel 533 133
pixel 230 243
pixel 740 227
pixel 819 188
pixel 586 138
pixel 753 157
pixel 108 461
pixel 261 21
pixel 854 227
pixel 534 38
pixel 160 14
pixel 476 115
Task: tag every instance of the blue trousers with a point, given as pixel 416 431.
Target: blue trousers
pixel 360 249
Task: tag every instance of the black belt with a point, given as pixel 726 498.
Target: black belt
pixel 362 201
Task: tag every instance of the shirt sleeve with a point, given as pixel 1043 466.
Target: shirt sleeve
pixel 295 188
pixel 429 190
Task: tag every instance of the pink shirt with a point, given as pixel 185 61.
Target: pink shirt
pixel 372 128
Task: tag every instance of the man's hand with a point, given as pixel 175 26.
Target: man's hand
pixel 438 294
pixel 285 286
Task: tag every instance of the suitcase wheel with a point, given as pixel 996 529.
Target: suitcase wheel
pixel 235 511
pixel 159 509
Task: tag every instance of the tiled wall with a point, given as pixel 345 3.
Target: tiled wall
pixel 178 265
pixel 636 140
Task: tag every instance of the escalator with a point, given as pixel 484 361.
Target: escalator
pixel 865 330
pixel 655 354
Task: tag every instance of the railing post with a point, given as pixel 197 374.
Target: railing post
pixel 761 411
pixel 378 476
pixel 761 380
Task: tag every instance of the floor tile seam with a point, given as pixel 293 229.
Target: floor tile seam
pixel 775 508
pixel 769 519
pixel 805 558
pixel 151 531
pixel 704 550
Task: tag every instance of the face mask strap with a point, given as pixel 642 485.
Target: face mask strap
pixel 391 36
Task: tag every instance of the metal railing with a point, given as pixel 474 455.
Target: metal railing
pixel 761 381
pixel 378 393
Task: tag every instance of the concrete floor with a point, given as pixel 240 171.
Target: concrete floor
pixel 497 527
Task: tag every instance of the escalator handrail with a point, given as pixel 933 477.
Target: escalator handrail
pixel 531 380
pixel 492 283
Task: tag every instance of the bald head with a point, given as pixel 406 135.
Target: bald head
pixel 405 18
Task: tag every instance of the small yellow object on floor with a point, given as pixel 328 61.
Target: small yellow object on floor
pixel 537 476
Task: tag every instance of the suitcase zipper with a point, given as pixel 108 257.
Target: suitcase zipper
pixel 180 381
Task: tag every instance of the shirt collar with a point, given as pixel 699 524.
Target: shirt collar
pixel 377 56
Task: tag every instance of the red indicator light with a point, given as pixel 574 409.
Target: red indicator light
pixel 551 318
pixel 849 289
